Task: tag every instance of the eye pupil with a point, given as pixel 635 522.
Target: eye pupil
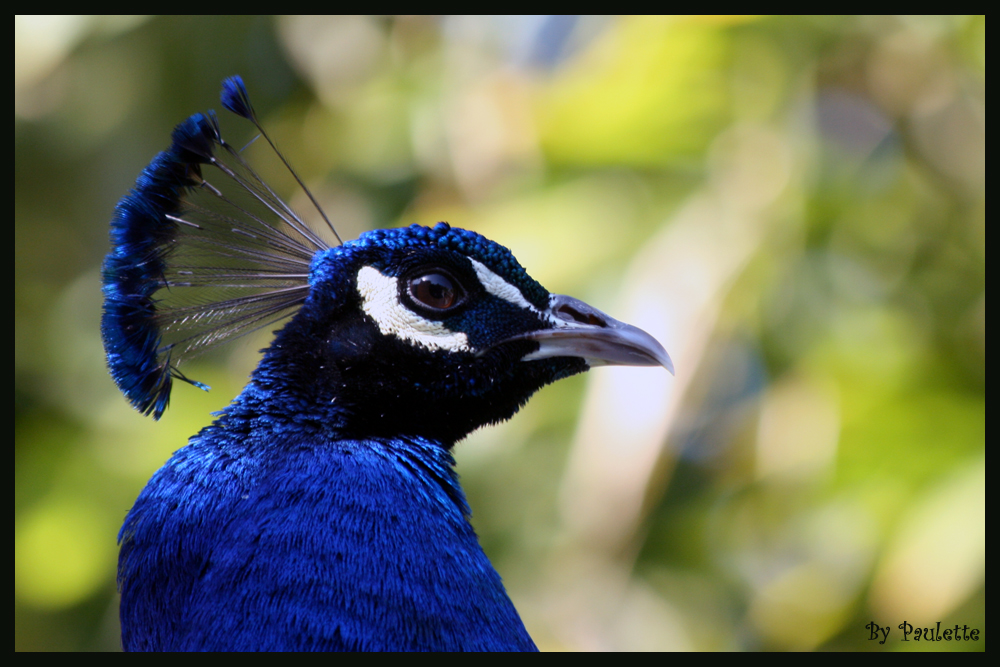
pixel 434 290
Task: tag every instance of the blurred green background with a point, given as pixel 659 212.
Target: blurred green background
pixel 795 207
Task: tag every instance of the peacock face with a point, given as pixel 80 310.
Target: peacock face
pixel 434 332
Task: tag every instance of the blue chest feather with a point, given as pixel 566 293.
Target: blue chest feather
pixel 347 545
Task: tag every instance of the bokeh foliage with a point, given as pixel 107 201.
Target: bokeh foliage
pixel 821 461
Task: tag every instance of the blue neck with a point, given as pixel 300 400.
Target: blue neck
pixel 283 539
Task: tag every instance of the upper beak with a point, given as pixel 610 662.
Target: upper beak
pixel 583 331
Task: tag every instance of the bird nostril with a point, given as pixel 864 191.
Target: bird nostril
pixel 569 313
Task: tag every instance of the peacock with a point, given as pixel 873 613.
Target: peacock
pixel 321 509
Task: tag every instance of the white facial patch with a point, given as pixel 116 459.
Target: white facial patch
pixel 380 301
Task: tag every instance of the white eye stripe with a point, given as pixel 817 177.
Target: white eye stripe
pixel 380 301
pixel 502 289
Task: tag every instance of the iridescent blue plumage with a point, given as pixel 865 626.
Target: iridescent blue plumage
pixel 236 99
pixel 321 511
pixel 193 265
pixel 141 236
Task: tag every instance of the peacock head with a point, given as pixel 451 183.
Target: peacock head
pixel 435 331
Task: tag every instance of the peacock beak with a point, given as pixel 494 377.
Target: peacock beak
pixel 580 330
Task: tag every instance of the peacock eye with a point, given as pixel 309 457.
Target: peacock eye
pixel 435 290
